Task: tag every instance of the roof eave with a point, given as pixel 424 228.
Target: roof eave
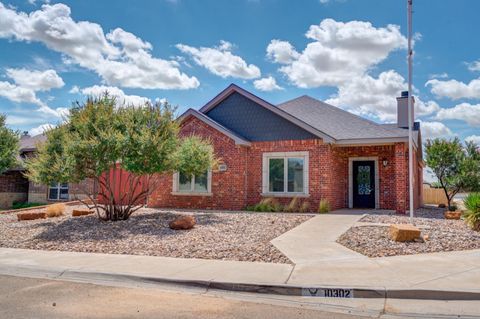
pixel 371 141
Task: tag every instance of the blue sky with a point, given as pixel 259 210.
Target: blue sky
pixel 349 53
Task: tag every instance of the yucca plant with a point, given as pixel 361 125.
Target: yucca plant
pixel 472 214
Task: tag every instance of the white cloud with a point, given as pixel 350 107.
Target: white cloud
pixel 339 52
pixel 267 84
pixel 443 75
pixel 473 138
pixel 27 83
pixel 369 96
pixel 467 112
pixel 454 89
pixel 74 90
pixel 18 94
pixel 121 97
pixel 36 80
pixel 119 57
pixel 431 130
pixel 281 52
pixel 474 66
pixel 220 61
pixel 40 129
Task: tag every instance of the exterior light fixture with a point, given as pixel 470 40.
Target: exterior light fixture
pixel 385 162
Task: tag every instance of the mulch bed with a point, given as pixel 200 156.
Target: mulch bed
pixel 443 235
pixel 225 236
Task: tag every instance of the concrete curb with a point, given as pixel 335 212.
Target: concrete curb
pixel 283 290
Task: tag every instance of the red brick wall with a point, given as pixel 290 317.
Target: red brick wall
pixel 387 196
pixel 13 182
pixel 319 155
pixel 228 188
pixel 241 184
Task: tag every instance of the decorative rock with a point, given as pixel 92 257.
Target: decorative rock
pixel 452 215
pixel 183 222
pixel 78 212
pixel 426 237
pixel 442 206
pixel 404 232
pixel 31 216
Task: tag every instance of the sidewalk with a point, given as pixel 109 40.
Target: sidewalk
pixel 319 262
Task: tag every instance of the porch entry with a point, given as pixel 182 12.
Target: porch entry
pixel 363 180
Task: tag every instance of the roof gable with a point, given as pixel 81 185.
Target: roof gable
pixel 256 119
pixel 202 117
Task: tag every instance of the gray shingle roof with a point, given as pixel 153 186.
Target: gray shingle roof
pixel 339 124
pixel 28 143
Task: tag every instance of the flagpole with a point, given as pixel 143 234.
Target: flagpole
pixel 410 110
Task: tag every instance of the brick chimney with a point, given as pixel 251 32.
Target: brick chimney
pixel 402 110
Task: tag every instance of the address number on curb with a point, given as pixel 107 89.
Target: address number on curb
pixel 327 292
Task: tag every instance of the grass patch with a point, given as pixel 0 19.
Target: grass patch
pixel 25 205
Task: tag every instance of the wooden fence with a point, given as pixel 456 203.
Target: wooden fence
pixel 433 195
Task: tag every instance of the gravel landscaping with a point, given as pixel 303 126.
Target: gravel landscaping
pixel 443 235
pixel 225 236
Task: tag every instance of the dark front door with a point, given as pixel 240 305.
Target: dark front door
pixel 364 184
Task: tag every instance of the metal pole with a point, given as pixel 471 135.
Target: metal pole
pixel 410 109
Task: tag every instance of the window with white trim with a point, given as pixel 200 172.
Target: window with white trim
pixel 285 173
pixel 195 184
pixel 58 191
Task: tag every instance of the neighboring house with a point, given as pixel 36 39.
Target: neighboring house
pixel 300 148
pixel 15 187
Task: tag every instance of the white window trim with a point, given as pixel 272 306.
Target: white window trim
pixel 58 187
pixel 177 192
pixel 266 172
pixel 350 179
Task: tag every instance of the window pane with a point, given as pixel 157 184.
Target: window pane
pixel 53 193
pixel 276 175
pixel 201 182
pixel 64 185
pixel 64 193
pixel 184 183
pixel 295 175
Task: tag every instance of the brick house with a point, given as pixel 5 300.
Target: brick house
pixel 15 187
pixel 300 148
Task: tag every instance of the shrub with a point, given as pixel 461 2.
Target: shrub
pixel 472 214
pixel 19 205
pixel 268 205
pixel 305 207
pixel 293 206
pixel 452 208
pixel 324 206
pixel 55 210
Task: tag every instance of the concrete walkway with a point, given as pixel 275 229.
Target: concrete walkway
pixel 314 241
pixel 319 262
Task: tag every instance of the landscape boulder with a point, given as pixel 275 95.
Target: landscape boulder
pixel 182 223
pixel 78 212
pixel 404 232
pixel 452 215
pixel 31 216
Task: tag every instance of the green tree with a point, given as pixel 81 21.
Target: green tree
pixel 456 167
pixel 8 146
pixel 98 139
